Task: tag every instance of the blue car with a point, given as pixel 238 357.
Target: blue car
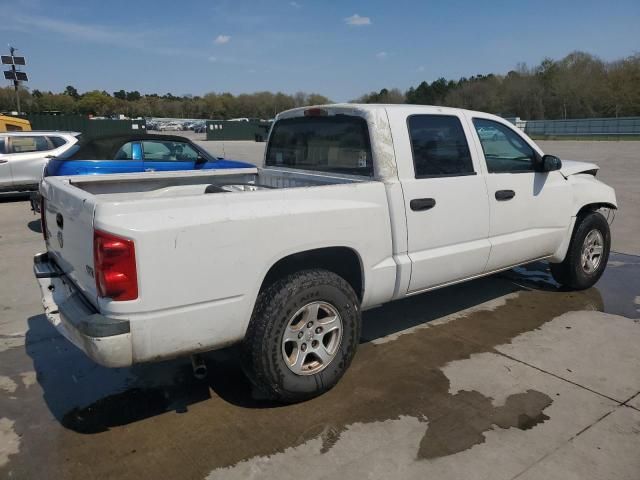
pixel 135 153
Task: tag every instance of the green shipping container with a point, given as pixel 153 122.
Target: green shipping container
pixel 89 128
pixel 228 130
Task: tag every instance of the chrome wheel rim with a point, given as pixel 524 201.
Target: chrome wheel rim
pixel 592 250
pixel 312 338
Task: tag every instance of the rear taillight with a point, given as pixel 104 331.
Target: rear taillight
pixel 43 219
pixel 114 260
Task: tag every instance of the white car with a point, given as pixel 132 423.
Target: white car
pixel 358 205
pixel 489 133
pixel 23 156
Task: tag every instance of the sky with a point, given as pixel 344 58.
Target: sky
pixel 341 49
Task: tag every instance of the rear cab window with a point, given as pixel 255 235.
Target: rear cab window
pixel 439 146
pixel 334 143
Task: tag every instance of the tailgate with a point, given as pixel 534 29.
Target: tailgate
pixel 68 213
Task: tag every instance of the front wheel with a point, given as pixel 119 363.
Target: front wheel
pixel 587 255
pixel 302 336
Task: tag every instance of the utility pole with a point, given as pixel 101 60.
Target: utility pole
pixel 16 85
pixel 14 74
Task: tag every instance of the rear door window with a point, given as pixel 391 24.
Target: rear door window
pixel 439 146
pixel 336 143
pixel 57 141
pixel 28 144
pixel 125 152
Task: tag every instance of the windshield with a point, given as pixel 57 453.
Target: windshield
pixel 338 144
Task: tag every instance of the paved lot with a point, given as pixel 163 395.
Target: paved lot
pixel 502 377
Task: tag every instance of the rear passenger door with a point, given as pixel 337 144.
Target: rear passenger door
pixel 445 198
pixel 168 156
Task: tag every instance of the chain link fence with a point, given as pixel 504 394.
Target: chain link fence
pixel 596 128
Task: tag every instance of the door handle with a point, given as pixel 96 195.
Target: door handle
pixel 502 195
pixel 421 204
pixel 4 161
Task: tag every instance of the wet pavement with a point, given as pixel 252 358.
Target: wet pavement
pixel 496 378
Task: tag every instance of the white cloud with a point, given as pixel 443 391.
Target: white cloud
pixel 357 21
pixel 382 55
pixel 295 4
pixel 421 68
pixel 222 39
pixel 212 59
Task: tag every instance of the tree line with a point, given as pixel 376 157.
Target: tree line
pixel 134 104
pixel 579 85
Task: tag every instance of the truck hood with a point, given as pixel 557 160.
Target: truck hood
pixel 571 167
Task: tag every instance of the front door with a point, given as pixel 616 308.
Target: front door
pixel 530 210
pixel 168 156
pixel 445 200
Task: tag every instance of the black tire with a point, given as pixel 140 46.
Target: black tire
pixel 570 272
pixel 263 359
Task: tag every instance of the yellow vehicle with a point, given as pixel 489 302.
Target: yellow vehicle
pixel 14 124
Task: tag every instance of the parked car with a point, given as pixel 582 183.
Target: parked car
pixel 136 153
pixel 23 155
pixel 14 124
pixel 163 127
pixel 358 205
pixel 489 133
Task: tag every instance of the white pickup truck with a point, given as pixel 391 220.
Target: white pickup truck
pixel 357 205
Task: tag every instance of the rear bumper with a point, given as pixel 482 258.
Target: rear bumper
pixel 105 340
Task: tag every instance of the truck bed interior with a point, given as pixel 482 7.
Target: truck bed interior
pixel 210 183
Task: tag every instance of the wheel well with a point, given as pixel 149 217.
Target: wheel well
pixel 592 207
pixel 342 261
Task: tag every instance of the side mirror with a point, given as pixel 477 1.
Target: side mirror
pixel 551 163
pixel 200 160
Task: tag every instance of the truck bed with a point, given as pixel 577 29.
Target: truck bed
pixel 162 185
pixel 204 242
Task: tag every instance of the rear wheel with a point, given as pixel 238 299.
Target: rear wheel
pixel 302 336
pixel 587 255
